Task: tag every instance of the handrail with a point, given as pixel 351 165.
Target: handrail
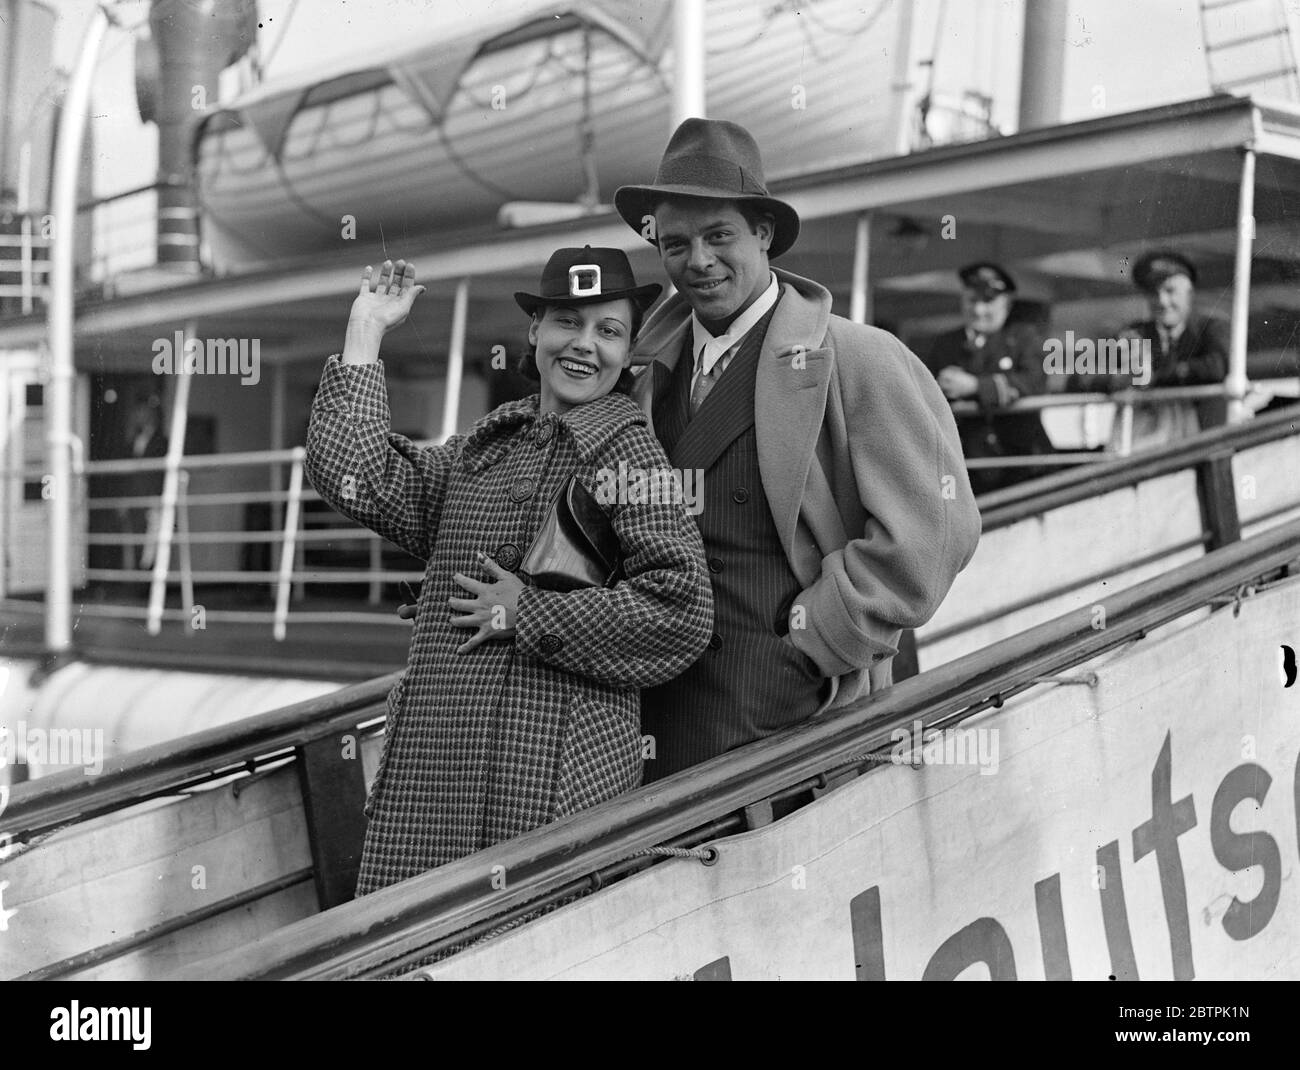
pixel 1127 396
pixel 37 806
pixel 1000 508
pixel 359 937
pixel 236 459
pixel 193 755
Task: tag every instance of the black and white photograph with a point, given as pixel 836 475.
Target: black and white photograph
pixel 717 490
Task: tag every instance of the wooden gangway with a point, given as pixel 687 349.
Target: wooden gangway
pixel 213 842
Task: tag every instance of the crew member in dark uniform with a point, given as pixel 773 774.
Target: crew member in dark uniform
pixel 1186 349
pixel 992 363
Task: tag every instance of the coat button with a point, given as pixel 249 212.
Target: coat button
pixel 508 556
pixel 715 564
pixel 544 431
pixel 715 643
pixel 522 489
pixel 740 495
pixel 550 645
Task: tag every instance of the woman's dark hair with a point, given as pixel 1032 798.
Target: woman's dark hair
pixel 527 366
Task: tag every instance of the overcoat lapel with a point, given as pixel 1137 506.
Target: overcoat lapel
pixel 790 388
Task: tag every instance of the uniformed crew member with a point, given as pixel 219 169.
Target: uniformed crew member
pixel 992 363
pixel 1186 348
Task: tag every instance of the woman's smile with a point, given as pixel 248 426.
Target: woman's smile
pixel 577 368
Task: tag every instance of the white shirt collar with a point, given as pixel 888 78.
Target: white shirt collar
pixel 717 345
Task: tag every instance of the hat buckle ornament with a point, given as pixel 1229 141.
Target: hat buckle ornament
pixel 576 273
pixel 587 275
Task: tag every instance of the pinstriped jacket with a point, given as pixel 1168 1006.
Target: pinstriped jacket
pixel 863 472
pixel 485 745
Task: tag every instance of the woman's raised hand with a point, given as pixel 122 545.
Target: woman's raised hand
pixel 382 303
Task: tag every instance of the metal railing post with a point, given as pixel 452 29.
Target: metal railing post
pixel 171 482
pixel 860 299
pixel 1125 417
pixel 289 543
pixel 187 564
pixel 24 214
pixel 688 61
pixel 58 414
pixel 455 362
pixel 1237 384
pixel 376 565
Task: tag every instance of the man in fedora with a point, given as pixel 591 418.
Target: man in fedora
pixel 992 363
pixel 837 510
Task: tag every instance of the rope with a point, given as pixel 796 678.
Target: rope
pixel 707 855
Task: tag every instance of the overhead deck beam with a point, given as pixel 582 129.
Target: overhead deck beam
pixel 951 174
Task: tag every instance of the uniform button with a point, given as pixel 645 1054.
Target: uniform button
pixel 715 564
pixel 740 495
pixel 507 556
pixel 715 643
pixel 522 489
pixel 550 645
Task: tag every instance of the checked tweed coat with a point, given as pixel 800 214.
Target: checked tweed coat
pixel 486 745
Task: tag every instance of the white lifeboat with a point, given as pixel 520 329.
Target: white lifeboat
pixel 439 137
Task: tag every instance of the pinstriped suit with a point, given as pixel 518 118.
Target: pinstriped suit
pixel 860 482
pixel 752 680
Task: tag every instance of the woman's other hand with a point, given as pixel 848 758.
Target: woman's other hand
pixel 492 610
pixel 381 304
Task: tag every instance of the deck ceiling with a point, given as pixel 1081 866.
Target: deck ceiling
pixel 1066 209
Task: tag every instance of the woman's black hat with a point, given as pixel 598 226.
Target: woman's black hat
pixel 585 276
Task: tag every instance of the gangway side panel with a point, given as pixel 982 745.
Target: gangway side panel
pixel 1144 828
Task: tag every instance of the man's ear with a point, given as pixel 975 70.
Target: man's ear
pixel 532 328
pixel 765 228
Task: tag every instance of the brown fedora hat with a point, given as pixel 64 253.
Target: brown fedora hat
pixel 714 160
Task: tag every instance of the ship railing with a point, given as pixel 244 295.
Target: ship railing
pixel 1123 403
pixel 1114 522
pixel 304 742
pixel 293 528
pixel 320 740
pixel 389 932
pixel 292 532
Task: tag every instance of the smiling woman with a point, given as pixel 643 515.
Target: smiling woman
pixel 519 704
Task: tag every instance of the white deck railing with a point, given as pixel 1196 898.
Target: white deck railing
pixel 290 531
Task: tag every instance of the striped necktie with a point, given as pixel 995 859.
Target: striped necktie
pixel 703 384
